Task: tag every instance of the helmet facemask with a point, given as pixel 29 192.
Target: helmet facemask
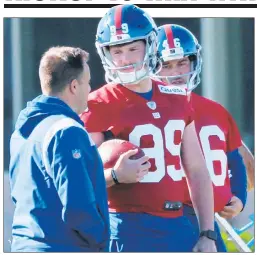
pixel 193 79
pixel 114 74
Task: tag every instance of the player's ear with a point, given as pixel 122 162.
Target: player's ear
pixel 74 86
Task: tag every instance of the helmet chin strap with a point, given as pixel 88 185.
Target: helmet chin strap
pixel 182 86
pixel 132 77
pixel 170 79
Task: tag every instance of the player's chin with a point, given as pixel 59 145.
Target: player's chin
pixel 178 83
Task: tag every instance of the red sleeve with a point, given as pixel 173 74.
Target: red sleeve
pixel 95 118
pixel 234 140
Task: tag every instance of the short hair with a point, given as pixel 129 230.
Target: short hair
pixel 59 66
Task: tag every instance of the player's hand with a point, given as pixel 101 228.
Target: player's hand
pixel 205 244
pixel 131 170
pixel 234 207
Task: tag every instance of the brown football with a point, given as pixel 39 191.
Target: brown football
pixel 111 150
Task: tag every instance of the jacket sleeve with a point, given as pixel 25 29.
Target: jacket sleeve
pixel 71 160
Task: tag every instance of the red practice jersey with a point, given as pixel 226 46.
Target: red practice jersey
pixel 157 127
pixel 218 134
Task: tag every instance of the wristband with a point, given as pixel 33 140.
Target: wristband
pixel 114 177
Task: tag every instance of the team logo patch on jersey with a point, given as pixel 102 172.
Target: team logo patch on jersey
pixel 151 105
pixel 156 115
pixel 172 90
pixel 76 154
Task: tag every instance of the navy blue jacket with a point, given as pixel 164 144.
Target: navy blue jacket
pixel 57 182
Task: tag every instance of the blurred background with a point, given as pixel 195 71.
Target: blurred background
pixel 227 74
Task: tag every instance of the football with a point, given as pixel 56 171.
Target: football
pixel 111 150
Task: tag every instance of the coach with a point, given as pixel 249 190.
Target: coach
pixel 56 175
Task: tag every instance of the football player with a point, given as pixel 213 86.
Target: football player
pixel 146 204
pixel 217 132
